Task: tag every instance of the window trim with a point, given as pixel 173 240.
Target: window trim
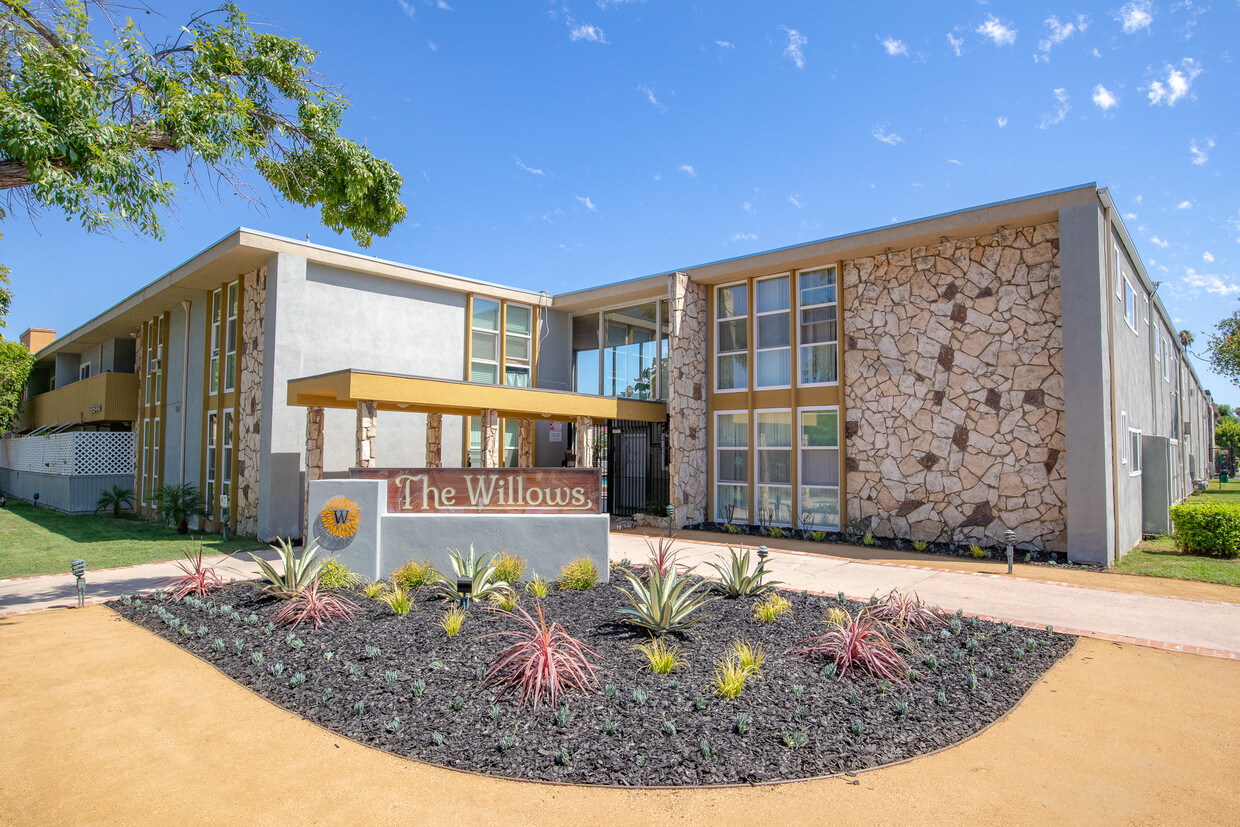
pixel 800 344
pixel 212 458
pixel 839 457
pixel 716 482
pixel 756 314
pixel 1136 469
pixel 84 371
pixel 505 308
pixel 234 319
pixel 498 332
pixel 213 345
pixel 715 321
pixel 1130 310
pixel 756 465
pixel 1123 429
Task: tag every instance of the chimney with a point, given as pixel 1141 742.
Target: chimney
pixel 37 338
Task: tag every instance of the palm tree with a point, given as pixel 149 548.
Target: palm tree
pixel 118 499
pixel 177 503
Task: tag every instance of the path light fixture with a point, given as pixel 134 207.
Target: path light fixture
pixel 4 502
pixel 671 514
pixel 1010 537
pixel 763 551
pixel 36 499
pixel 464 587
pixel 78 566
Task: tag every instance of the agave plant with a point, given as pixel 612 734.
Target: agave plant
pixel 483 573
pixel 904 610
pixel 737 579
pixel 863 642
pixel 315 604
pixel 664 603
pixel 299 572
pixel 543 662
pixel 196 578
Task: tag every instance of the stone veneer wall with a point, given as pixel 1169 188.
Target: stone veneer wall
pixel 686 399
pixel 954 390
pixel 250 401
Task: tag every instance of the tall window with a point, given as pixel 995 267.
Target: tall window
pixel 774 502
pixel 732 467
pixel 157 470
pixel 1134 439
pixel 510 430
pixel 773 351
pixel 732 338
pixel 1123 438
pixel 817 336
pixel 212 421
pixel 518 341
pixel 820 469
pixel 226 465
pixel 154 362
pixel 1130 305
pixel 146 462
pixel 512 439
pixel 216 307
pixel 230 338
pixel 484 342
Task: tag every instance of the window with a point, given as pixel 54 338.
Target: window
pixel 512 440
pixel 732 467
pixel 145 493
pixel 1175 416
pixel 1119 282
pixel 773 349
pixel 817 335
pixel 213 384
pixel 226 465
pixel 484 342
pixel 1167 359
pixel 510 429
pixel 773 503
pixel 820 469
pixel 732 338
pixel 1134 439
pixel 630 351
pixel 1123 445
pixel 518 340
pixel 84 371
pixel 230 339
pixel 157 471
pixel 1130 305
pixel 212 421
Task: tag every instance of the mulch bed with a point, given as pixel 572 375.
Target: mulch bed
pixel 848 723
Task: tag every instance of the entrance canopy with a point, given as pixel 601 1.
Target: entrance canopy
pixel 418 394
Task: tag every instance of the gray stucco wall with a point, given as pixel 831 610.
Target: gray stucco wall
pixel 555 351
pixel 1087 410
pixel 321 319
pixel 1134 397
pixel 67 365
pixel 74 494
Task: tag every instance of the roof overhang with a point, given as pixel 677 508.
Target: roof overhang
pixel 419 394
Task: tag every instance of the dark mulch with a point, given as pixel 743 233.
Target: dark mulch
pixel 339 674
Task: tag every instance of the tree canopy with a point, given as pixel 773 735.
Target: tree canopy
pixel 1223 348
pixel 1227 434
pixel 85 126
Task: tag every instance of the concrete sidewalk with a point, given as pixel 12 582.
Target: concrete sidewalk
pixel 1195 626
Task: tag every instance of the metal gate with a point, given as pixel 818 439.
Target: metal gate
pixel 636 466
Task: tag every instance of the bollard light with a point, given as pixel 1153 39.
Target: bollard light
pixel 464 587
pixel 1010 536
pixel 4 502
pixel 671 514
pixel 78 566
pixel 763 551
pixel 36 499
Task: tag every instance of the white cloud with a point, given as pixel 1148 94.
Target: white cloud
pixel 1179 82
pixel 748 207
pixel 1104 98
pixel 890 138
pixel 1061 110
pixel 1199 152
pixel 1061 32
pixel 954 161
pixel 658 176
pixel 524 168
pixel 1155 240
pixel 408 8
pixel 1130 216
pixel 603 4
pixel 1184 205
pixel 1139 198
pixel 1002 121
pixel 895 47
pixel 744 237
pixel 795 50
pixel 1001 33
pixel 440 4
pixel 794 201
pixel 724 44
pixel 1095 52
pixel 688 170
pixel 586 32
pixel 1207 257
pixel 1209 282
pixel 589 205
pixel 432 45
pixel 1135 16
pixel 650 96
pixel 957 44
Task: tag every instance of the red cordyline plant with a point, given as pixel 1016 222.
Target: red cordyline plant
pixel 662 554
pixel 545 661
pixel 315 604
pixel 864 642
pixel 904 610
pixel 198 578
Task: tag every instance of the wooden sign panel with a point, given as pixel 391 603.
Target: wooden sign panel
pixel 489 490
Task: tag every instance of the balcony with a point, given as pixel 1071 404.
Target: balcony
pixel 106 397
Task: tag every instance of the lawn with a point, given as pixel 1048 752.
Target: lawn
pixel 1229 493
pixel 43 541
pixel 1161 557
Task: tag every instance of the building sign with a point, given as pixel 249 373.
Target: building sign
pixel 489 490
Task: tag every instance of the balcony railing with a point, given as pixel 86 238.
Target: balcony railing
pixel 105 397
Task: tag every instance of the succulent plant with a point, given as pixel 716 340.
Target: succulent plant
pixel 359 708
pixel 941 698
pixel 218 644
pixel 883 686
pixel 458 703
pixel 741 725
pixel 854 698
pixel 931 661
pixel 901 708
pixel 297 680
pixel 354 670
pixel 256 657
pixel 562 757
pixel 706 749
pixel 277 669
pixel 798 690
pixel 610 727
pixel 801 712
pixel 418 687
pixel 640 696
pixel 987 672
pixel 391 676
pixel 699 703
pixel 239 646
pixel 495 710
pixel 794 740
pixel 856 727
pixel 393 724
pixel 828 671
pixel 669 727
pixel 972 682
pixel 561 716
pixel 372 652
pixel 507 742
pixel 437 739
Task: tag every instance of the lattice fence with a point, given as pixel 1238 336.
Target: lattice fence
pixel 79 453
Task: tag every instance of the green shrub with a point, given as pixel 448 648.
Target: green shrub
pixel 336 575
pixel 1212 529
pixel 415 575
pixel 509 568
pixel 579 575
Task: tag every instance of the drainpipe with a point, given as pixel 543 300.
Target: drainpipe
pixel 184 385
pixel 1109 315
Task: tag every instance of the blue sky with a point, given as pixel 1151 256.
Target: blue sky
pixel 556 146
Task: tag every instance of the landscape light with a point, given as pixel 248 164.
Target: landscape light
pixel 36 499
pixel 671 513
pixel 464 587
pixel 1010 537
pixel 78 566
pixel 763 551
pixel 4 502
